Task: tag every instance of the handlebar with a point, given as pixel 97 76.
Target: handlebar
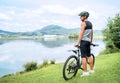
pixel 95 45
pixel 75 51
pixel 91 44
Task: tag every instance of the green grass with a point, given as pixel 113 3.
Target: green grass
pixel 107 70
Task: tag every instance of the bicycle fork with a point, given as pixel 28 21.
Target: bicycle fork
pixel 79 63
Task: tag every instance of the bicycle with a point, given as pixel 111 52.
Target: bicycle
pixel 73 63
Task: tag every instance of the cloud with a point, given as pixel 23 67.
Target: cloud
pixel 4 58
pixel 19 18
pixel 58 9
pixel 4 17
pixel 38 11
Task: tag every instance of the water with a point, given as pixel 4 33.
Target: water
pixel 15 53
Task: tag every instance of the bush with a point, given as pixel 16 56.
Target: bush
pixel 19 73
pixel 112 32
pixel 45 63
pixel 30 66
pixel 52 62
pixel 73 35
pixel 7 75
pixel 112 35
pixel 109 50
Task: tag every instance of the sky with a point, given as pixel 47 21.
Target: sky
pixel 31 15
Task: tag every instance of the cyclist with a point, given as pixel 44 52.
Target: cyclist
pixel 85 40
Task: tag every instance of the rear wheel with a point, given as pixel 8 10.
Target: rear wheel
pixel 93 57
pixel 70 67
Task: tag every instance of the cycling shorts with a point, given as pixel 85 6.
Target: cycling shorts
pixel 85 49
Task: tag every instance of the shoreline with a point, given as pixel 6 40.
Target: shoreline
pixel 41 37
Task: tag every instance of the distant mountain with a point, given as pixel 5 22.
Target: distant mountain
pixel 47 30
pixel 7 33
pixel 4 33
pixel 56 30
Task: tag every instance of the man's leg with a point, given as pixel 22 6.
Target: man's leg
pixel 90 59
pixel 83 49
pixel 84 64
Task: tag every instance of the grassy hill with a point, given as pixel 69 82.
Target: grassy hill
pixel 107 70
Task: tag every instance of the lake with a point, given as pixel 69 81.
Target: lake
pixel 15 53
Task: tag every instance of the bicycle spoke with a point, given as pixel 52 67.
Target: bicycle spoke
pixel 70 68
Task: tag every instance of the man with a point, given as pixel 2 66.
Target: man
pixel 85 40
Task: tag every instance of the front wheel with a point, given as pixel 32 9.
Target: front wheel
pixel 70 67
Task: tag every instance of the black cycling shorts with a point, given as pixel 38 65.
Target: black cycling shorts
pixel 85 49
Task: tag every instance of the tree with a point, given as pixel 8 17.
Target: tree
pixel 112 33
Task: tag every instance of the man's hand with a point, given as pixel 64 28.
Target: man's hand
pixel 91 43
pixel 76 45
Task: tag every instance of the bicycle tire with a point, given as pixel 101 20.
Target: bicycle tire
pixel 93 59
pixel 65 65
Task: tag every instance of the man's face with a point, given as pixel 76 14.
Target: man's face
pixel 83 18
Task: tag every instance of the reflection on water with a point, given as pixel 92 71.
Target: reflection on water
pixel 3 41
pixel 48 42
pixel 15 53
pixel 53 42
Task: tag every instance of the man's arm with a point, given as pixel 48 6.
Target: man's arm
pixel 91 37
pixel 83 25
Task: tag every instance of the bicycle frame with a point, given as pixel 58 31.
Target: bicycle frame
pixel 79 60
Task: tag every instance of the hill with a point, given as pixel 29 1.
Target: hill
pixel 53 30
pixel 106 71
pixel 3 33
pixel 57 30
pixel 47 30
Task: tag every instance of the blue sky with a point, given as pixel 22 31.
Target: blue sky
pixel 30 15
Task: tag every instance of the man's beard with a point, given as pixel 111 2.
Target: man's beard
pixel 82 20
